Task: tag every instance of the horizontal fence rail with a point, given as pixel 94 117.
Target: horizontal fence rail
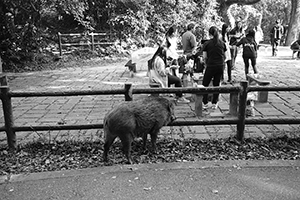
pixel 91 42
pixel 240 92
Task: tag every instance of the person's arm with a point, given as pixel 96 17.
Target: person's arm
pixel 205 57
pixel 160 67
pixel 193 43
pixel 239 42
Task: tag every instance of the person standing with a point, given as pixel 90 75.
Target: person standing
pixel 171 45
pixel 225 39
pixel 214 58
pixel 276 34
pixel 235 35
pixel 188 40
pixel 249 51
pixel 189 45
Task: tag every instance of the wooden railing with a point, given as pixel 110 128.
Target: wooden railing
pixel 90 42
pixel 238 93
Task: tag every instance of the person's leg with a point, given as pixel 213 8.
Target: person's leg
pixel 246 62
pixel 216 82
pixel 205 82
pixel 273 46
pixel 175 80
pixel 229 66
pixel 222 76
pixel 253 63
pixel 276 43
pixel 233 51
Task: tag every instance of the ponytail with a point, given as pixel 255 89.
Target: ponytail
pixel 214 31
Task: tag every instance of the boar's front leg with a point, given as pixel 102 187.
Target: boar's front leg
pixel 126 140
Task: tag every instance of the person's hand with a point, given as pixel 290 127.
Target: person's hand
pixel 168 70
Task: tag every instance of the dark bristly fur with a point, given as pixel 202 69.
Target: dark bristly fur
pixel 136 119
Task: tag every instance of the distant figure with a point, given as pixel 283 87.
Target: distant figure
pixel 259 34
pixel 189 45
pixel 171 45
pixel 249 51
pixel 235 35
pixel 296 46
pixel 171 42
pixel 225 39
pixel 188 40
pixel 276 35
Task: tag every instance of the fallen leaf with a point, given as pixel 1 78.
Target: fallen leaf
pixel 215 191
pixel 147 188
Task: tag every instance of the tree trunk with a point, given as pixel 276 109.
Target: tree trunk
pixel 294 25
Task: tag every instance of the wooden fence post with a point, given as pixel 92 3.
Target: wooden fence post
pixel 242 110
pixel 128 92
pixel 233 104
pixel 8 114
pixel 59 43
pixel 198 104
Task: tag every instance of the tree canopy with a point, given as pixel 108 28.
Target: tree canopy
pixel 30 27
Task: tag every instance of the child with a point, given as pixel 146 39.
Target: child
pixel 249 51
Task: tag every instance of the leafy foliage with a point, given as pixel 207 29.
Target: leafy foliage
pixel 30 27
pixel 39 156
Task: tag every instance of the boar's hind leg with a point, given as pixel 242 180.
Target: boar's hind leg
pixel 109 139
pixel 126 140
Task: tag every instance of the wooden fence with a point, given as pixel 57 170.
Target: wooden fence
pixel 90 42
pixel 239 119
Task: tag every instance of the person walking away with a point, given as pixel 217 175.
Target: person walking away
pixel 225 39
pixel 235 35
pixel 276 34
pixel 160 74
pixel 249 51
pixel 214 57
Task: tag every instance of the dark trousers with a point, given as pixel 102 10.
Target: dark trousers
pixel 253 63
pixel 176 81
pixel 274 43
pixel 212 74
pixel 298 54
pixel 229 67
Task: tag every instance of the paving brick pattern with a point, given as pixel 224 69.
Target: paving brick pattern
pixel 281 71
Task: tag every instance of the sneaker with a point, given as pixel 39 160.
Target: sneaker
pixel 215 106
pixel 182 100
pixel 205 106
pixel 223 83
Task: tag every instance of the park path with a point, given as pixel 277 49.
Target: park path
pixel 281 71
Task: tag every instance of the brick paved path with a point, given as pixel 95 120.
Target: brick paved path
pixel 281 70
